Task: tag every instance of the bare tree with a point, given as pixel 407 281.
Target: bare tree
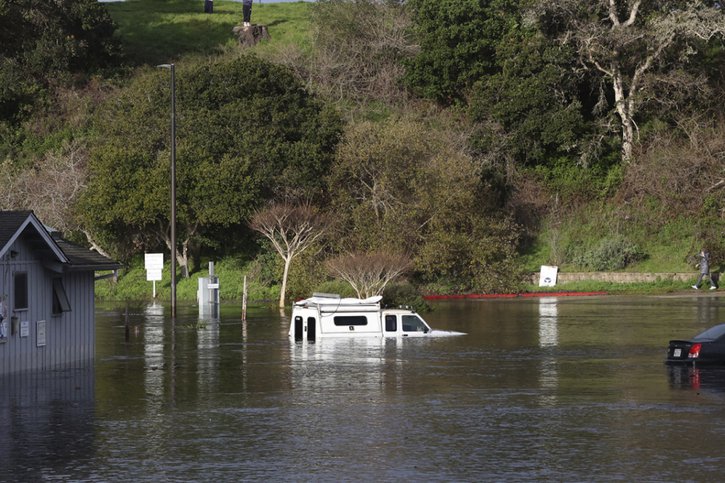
pixel 51 188
pixel 358 50
pixel 627 39
pixel 291 229
pixel 369 273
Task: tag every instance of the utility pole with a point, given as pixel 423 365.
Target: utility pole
pixel 173 187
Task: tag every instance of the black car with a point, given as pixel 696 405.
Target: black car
pixel 705 348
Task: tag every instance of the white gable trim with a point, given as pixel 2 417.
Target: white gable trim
pixel 40 228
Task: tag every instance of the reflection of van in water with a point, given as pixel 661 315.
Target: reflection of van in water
pixel 326 315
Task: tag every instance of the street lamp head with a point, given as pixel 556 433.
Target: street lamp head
pixel 165 66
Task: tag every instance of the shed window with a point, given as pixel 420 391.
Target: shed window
pixel 20 290
pixel 60 299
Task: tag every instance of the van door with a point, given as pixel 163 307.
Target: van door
pixel 311 329
pixel 413 326
pixel 298 328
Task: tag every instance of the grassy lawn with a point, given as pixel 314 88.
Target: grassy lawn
pixel 159 31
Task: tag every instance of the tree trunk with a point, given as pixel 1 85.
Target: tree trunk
pixel 624 108
pixel 183 258
pixel 95 246
pixel 287 262
pixel 251 35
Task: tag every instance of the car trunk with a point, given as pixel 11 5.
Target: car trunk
pixel 678 351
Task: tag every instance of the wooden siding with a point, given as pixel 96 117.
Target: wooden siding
pixel 70 336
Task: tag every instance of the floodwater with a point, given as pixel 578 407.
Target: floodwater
pixel 564 389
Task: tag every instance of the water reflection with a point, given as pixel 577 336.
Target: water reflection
pixel 549 389
pixel 709 379
pixel 548 338
pixel 47 422
pixel 317 367
pixel 154 358
pixel 548 322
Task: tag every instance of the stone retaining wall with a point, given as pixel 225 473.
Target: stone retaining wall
pixel 622 277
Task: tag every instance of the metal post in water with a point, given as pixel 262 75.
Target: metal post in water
pixel 127 331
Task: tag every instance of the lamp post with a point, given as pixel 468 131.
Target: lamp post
pixel 173 187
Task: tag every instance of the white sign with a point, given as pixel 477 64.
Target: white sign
pixel 24 328
pixel 154 261
pixel 153 275
pixel 547 276
pixel 40 341
pixel 154 264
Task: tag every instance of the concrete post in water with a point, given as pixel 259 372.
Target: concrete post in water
pixel 244 300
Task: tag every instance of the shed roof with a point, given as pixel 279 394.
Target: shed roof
pixel 80 258
pixel 16 224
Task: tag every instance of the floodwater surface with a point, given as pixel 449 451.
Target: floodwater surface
pixel 566 389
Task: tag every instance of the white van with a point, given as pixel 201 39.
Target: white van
pixel 328 315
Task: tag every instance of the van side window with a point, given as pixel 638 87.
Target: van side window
pixel 345 320
pixel 391 323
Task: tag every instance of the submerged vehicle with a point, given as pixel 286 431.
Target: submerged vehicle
pixel 707 347
pixel 328 315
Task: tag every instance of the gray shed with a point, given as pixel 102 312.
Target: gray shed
pixel 47 296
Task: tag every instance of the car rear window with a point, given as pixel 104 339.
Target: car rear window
pixel 711 334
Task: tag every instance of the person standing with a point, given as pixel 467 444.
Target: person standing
pixel 704 265
pixel 247 12
pixel 3 316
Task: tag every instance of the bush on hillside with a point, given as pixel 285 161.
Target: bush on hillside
pixel 358 50
pixel 611 253
pixel 45 44
pixel 678 173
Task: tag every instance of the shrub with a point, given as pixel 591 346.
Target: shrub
pixel 405 294
pixel 613 253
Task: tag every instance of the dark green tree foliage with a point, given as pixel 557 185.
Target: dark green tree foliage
pixel 47 42
pixel 458 41
pixel 246 132
pixel 534 99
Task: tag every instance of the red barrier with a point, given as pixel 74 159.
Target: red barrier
pixel 511 295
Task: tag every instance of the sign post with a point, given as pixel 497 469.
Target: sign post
pixel 154 264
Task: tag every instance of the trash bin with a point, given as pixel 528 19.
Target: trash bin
pixel 208 6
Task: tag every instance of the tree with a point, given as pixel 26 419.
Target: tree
pixel 458 40
pixel 392 178
pixel 42 44
pixel 246 132
pixel 291 229
pixel 403 186
pixel 533 99
pixel 627 40
pixel 51 188
pixel 369 273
